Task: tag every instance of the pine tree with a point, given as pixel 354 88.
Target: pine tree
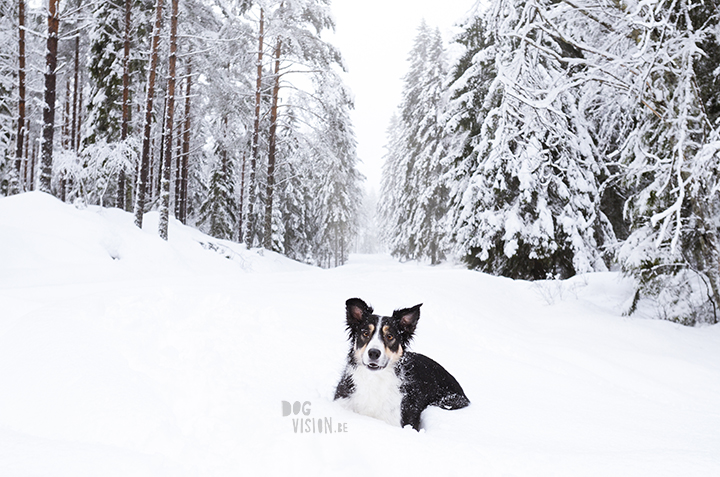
pixel 9 162
pixel 106 72
pixel 296 27
pixel 217 214
pixel 672 159
pixel 337 190
pixel 142 182
pixel 391 207
pixel 168 130
pixel 418 210
pixel 21 129
pixel 250 230
pixel 529 210
pixel 470 81
pixel 48 128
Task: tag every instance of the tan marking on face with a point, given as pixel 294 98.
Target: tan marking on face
pixel 393 355
pixel 359 351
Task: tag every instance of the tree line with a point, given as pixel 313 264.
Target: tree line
pixel 569 137
pixel 228 115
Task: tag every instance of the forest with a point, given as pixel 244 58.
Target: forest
pixel 569 137
pixel 228 115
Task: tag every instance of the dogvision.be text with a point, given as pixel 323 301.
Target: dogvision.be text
pixel 310 425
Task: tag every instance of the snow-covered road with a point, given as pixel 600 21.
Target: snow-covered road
pixel 122 355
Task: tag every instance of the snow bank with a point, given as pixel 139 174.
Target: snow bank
pixel 122 354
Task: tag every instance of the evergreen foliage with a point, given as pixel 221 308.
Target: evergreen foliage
pixel 414 196
pixel 218 213
pixel 577 136
pixel 567 137
pixel 8 45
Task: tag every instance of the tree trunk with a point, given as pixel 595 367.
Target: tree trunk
pixel 33 161
pixel 251 232
pixel 75 134
pixel 157 180
pixel 125 102
pixel 21 85
pixel 242 198
pixel 178 171
pixel 150 94
pixel 185 149
pixel 170 107
pixel 66 117
pixel 65 137
pixel 78 127
pixel 48 128
pixel 272 149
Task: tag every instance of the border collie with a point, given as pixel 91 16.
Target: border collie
pixel 384 380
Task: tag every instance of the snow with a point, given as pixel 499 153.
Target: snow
pixel 122 354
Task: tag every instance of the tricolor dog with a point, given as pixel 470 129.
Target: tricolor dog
pixel 382 379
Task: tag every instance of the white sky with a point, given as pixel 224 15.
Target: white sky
pixel 375 37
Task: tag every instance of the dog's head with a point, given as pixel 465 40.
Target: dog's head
pixel 379 341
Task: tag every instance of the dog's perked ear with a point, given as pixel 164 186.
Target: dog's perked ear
pixel 407 319
pixel 356 311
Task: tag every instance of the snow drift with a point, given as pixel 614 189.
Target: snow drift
pixel 122 354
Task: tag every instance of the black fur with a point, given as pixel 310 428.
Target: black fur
pixel 426 383
pixel 423 382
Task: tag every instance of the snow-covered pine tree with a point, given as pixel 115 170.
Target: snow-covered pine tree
pixel 164 209
pixel 292 229
pixel 295 27
pixel 470 81
pixel 336 189
pixel 50 92
pixel 106 37
pixel 643 89
pixel 225 109
pixel 530 209
pixel 117 41
pixel 218 214
pixel 673 164
pixel 9 172
pixel 144 172
pixel 36 21
pixel 421 110
pixel 368 236
pixel 419 196
pixel 392 208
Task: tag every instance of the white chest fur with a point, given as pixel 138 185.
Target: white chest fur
pixel 376 394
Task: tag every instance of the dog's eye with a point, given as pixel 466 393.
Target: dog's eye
pixel 366 333
pixel 389 337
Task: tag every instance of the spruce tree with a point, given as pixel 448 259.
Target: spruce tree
pixel 337 190
pixel 106 53
pixel 529 208
pixel 419 197
pixel 673 163
pixel 218 214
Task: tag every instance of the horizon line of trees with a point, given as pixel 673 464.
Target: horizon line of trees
pixel 569 137
pixel 229 115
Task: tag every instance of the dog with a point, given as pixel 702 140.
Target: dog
pixel 384 380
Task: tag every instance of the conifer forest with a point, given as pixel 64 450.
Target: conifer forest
pixel 548 139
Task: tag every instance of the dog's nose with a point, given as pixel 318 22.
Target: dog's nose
pixel 374 353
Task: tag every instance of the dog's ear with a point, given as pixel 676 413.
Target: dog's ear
pixel 407 319
pixel 356 311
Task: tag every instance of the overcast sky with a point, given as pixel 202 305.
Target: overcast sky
pixel 375 37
